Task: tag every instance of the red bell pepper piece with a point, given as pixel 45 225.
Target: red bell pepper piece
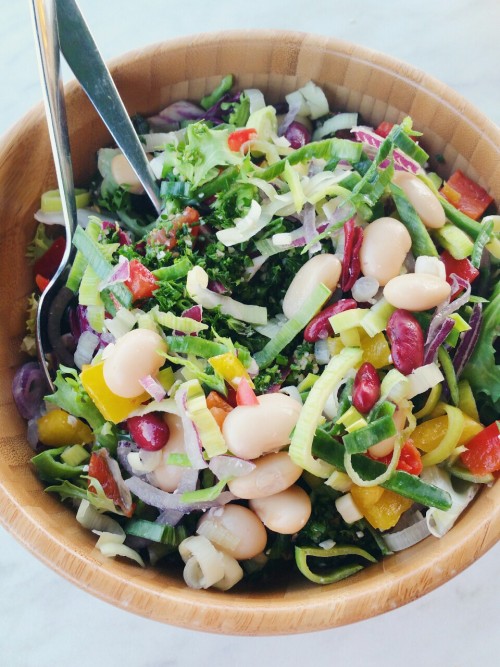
pixel 466 195
pixel 483 451
pixel 100 470
pixel 351 265
pixel 41 282
pixel 239 137
pixel 463 268
pixel 410 460
pixel 245 395
pixel 142 283
pixel 384 128
pixel 49 262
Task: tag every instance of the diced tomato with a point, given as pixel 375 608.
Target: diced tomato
pixel 466 195
pixel 483 451
pixel 100 470
pixel 189 217
pixel 384 128
pixel 463 268
pixel 239 137
pixel 41 282
pixel 409 460
pixel 245 395
pixel 49 262
pixel 142 283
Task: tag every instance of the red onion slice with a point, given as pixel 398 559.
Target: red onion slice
pixel 468 342
pixel 432 344
pixel 228 467
pixel 444 310
pixel 153 387
pixel 192 440
pixel 120 273
pixel 163 500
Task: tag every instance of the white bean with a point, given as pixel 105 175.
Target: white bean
pixel 424 201
pixel 135 355
pixel 416 291
pixel 247 535
pixel 124 174
pixel 386 242
pixel 167 476
pixel 286 512
pixel 324 269
pixel 253 430
pixel 272 474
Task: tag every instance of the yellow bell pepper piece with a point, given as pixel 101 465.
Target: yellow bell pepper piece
pixel 112 407
pixel 350 337
pixel 335 345
pixel 429 434
pixel 58 428
pixel 450 440
pixel 380 507
pixel 230 368
pixel 376 350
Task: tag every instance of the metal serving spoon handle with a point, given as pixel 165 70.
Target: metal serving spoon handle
pixel 81 54
pixel 56 295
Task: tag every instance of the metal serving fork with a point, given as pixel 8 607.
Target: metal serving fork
pixel 60 26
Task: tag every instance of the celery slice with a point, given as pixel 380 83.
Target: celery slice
pixel 80 262
pixel 208 430
pixel 376 319
pixel 303 435
pixel 454 240
pixel 194 345
pixel 292 327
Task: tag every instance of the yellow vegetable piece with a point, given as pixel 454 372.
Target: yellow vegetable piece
pixel 58 428
pixel 376 350
pixel 449 441
pixel 429 434
pixel 385 511
pixel 112 407
pixel 335 345
pixel 230 368
pixel 350 337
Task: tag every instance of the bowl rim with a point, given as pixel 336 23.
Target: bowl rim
pixel 181 607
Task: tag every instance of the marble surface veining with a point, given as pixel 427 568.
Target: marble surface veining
pixel 47 622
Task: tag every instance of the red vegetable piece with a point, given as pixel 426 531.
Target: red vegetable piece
pixel 149 431
pixel 366 388
pixel 49 262
pixel 384 128
pixel 99 469
pixel 466 195
pixel 483 451
pixel 410 460
pixel 245 395
pixel 142 283
pixel 239 137
pixel 351 265
pixel 463 268
pixel 407 341
pixel 319 327
pixel 41 282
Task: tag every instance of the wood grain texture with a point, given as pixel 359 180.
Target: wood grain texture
pixel 354 78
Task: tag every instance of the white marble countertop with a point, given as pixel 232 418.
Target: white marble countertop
pixel 44 620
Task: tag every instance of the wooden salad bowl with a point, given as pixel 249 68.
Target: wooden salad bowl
pixel 355 79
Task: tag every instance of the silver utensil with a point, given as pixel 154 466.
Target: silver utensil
pixel 56 295
pixel 80 52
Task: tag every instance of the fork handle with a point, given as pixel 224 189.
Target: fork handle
pixel 47 41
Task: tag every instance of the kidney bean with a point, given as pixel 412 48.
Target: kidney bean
pixel 297 134
pixel 407 341
pixel 366 388
pixel 351 264
pixel 149 432
pixel 319 327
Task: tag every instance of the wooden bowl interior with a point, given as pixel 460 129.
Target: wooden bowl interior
pixel 354 79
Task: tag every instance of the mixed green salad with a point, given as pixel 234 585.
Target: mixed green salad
pixel 293 366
